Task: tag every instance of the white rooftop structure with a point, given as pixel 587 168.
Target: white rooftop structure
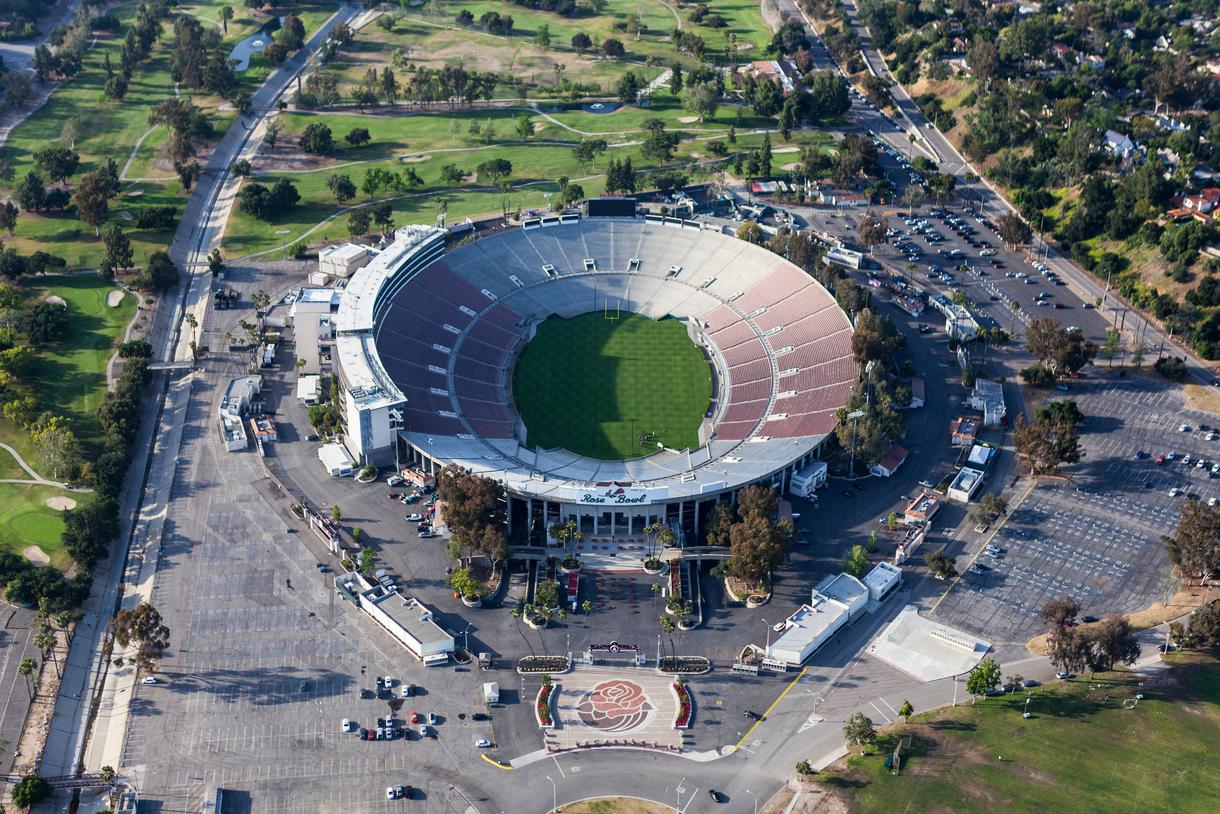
pixel 965 483
pixel 988 398
pixel 239 395
pixel 925 649
pixel 882 581
pixel 336 460
pixel 405 618
pixel 328 297
pixel 838 600
pixel 308 388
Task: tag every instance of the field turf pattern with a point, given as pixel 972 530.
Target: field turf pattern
pixel 592 385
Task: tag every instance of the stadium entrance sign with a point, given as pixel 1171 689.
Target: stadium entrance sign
pixel 613 496
pixel 614 647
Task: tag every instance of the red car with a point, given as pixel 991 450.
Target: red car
pixel 415 717
pixel 1160 459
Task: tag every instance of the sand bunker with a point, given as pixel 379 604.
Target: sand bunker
pixel 688 119
pixel 36 555
pixel 55 299
pixel 60 503
pixel 416 159
pixel 115 298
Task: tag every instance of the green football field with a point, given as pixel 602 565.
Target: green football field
pixel 612 388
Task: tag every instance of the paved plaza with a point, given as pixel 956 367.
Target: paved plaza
pixel 625 707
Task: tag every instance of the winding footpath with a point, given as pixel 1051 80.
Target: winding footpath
pixel 35 479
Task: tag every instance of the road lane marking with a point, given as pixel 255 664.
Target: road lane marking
pixel 774 703
pixel 887 718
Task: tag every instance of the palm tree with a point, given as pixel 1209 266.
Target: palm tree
pixel 45 641
pixel 25 670
pixel 226 14
pixel 567 533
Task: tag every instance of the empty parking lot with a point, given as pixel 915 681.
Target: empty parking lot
pixel 1096 535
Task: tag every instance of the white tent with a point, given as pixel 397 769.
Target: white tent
pixel 491 692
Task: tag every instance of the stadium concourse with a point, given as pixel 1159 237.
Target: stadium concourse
pixel 430 338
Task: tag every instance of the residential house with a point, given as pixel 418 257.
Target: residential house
pixel 1118 145
pixel 1204 201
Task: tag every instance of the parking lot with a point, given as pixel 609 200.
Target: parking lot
pixel 1095 536
pixel 266 661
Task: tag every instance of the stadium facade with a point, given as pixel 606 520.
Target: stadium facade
pixel 426 338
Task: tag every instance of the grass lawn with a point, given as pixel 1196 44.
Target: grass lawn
pixel 110 129
pixel 1073 755
pixel 70 378
pixel 592 385
pixel 26 520
pixel 426 142
pixel 615 805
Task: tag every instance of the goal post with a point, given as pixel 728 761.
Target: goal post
pixel 607 313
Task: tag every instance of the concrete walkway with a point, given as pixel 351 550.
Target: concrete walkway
pixel 34 478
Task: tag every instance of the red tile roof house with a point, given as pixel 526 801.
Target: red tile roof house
pixel 1204 201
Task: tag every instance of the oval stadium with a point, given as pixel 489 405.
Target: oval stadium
pixel 617 371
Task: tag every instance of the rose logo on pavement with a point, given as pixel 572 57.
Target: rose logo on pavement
pixel 614 706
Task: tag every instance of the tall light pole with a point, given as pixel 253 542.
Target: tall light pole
pixel 755 796
pixel 554 794
pixel 283 242
pixel 855 418
pixel 768 624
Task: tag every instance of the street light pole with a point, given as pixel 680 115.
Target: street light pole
pixel 768 624
pixel 554 793
pixel 855 417
pixel 755 796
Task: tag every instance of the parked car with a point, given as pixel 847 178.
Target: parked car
pixel 482 743
pixel 480 716
pixel 415 517
pixel 408 690
pixel 148 681
pixel 348 725
pixel 395 792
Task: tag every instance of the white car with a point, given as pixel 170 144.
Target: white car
pixel 395 792
pixel 1211 501
pixel 148 680
pixel 482 743
pixel 1174 492
pixel 348 725
pixel 415 517
pixel 1183 428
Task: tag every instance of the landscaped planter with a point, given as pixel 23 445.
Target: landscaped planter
pixel 686 707
pixel 472 601
pixel 659 567
pixel 537 622
pixel 689 665
pixel 543 664
pixel 687 623
pixel 570 568
pixel 757 600
pixel 542 706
